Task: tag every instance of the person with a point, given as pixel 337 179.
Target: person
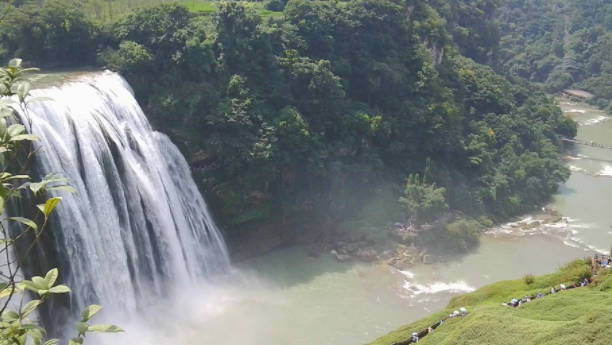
pixel 430 329
pixel 463 311
pixel 539 295
pixel 415 337
pixel 514 302
pixel 456 313
pixel 562 286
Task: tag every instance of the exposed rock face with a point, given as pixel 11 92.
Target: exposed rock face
pixel 405 258
pixel 436 50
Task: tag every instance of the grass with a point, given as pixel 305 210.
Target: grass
pixel 576 316
pixel 200 6
pixel 101 11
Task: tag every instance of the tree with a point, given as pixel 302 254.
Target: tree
pixel 423 201
pixel 56 34
pixel 17 326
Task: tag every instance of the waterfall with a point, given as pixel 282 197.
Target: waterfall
pixel 137 224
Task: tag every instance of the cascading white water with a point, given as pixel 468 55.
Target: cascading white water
pixel 137 224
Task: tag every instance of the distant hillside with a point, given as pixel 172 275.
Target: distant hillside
pixel 561 43
pixel 577 316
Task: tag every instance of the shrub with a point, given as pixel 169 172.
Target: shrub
pixel 529 279
pixel 465 232
pixel 275 5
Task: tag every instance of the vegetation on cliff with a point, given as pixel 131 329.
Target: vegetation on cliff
pixel 560 43
pixel 307 114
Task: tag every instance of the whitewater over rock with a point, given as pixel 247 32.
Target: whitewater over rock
pixel 137 224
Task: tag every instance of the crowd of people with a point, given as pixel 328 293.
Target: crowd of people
pixel 516 302
pixel 601 261
pixel 598 262
pixel 416 336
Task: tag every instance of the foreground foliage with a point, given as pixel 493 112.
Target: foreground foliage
pixel 20 298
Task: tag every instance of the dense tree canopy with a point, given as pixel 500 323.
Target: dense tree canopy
pixel 561 43
pixel 303 116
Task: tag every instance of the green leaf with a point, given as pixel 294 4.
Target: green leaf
pixel 34 332
pixel 75 341
pixel 29 285
pixel 2 126
pixel 37 186
pixel 104 328
pixel 51 342
pixel 9 316
pixel 16 129
pixel 22 137
pixel 40 282
pixel 66 188
pixel 25 221
pixel 50 205
pixel 59 289
pixel 81 327
pixel 18 177
pixel 23 90
pixel 90 311
pixel 51 277
pixel 30 307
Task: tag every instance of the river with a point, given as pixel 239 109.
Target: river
pixel 289 298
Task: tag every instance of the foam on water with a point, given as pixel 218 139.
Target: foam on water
pixel 574 168
pixel 459 286
pixel 566 229
pixel 594 121
pixel 605 171
pixel 408 274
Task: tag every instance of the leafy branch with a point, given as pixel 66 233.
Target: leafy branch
pixel 16 326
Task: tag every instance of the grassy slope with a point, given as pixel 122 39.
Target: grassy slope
pixel 101 12
pixel 199 6
pixel 577 316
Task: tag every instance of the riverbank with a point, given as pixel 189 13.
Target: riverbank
pixel 578 218
pixel 575 316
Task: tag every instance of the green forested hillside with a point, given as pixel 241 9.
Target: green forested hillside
pixel 308 115
pixel 576 316
pixel 561 43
